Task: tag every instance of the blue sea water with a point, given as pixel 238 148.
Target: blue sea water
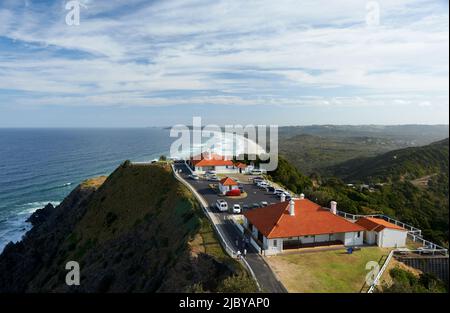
pixel 40 166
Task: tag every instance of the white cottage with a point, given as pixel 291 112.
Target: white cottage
pixel 205 162
pixel 227 184
pixel 382 233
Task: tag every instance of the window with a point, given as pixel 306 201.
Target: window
pixel 275 243
pixel 358 235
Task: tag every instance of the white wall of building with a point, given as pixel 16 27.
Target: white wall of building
pixel 217 169
pixel 273 246
pixel 351 238
pixel 322 238
pixel 392 238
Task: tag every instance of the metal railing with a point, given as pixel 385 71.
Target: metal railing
pixel 380 273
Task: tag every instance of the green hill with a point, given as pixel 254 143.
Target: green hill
pixel 415 187
pixel 313 153
pixel 138 231
pixel 403 164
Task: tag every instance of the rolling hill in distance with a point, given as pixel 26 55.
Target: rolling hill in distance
pixel 313 149
pixel 404 164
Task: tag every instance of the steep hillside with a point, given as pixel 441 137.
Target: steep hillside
pixel 138 231
pixel 404 164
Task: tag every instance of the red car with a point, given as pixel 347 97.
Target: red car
pixel 233 193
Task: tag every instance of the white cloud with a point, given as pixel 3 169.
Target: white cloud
pixel 242 53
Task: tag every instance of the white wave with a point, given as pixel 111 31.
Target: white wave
pixel 31 207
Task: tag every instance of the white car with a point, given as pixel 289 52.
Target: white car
pixel 194 177
pixel 262 184
pixel 222 205
pixel 236 209
pixel 278 191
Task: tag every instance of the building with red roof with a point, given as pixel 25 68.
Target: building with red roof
pixel 228 184
pixel 382 233
pixel 205 162
pixel 300 223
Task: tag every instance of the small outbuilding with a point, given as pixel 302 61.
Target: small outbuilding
pixel 382 233
pixel 227 184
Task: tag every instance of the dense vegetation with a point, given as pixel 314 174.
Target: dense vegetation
pixel 138 231
pixel 425 207
pixel 290 177
pixel 404 164
pixel 406 282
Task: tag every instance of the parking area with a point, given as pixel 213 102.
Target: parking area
pixel 234 237
pixel 255 195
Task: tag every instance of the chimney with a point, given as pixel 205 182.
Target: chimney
pixel 283 197
pixel 333 205
pixel 291 207
pixel 302 196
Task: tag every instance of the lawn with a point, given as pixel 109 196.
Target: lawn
pixel 326 271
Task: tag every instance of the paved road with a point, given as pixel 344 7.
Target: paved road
pixel 263 273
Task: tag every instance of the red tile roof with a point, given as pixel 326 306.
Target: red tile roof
pixel 212 159
pixel 274 221
pixel 376 224
pixel 228 181
pixel 240 165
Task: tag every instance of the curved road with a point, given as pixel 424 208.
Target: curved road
pixel 266 278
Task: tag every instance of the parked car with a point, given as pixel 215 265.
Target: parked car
pixel 236 209
pixel 222 205
pixel 286 195
pixel 257 172
pixel 278 191
pixel 245 207
pixel 264 203
pixel 255 205
pixel 211 173
pixel 194 177
pixel 241 188
pixel 263 184
pixel 270 189
pixel 214 178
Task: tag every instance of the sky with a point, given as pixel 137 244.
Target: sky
pixel 142 63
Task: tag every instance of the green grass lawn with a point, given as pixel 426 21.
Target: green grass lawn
pixel 327 271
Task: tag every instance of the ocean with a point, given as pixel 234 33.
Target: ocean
pixel 40 166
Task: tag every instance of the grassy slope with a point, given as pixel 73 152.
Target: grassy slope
pixel 138 236
pixel 327 271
